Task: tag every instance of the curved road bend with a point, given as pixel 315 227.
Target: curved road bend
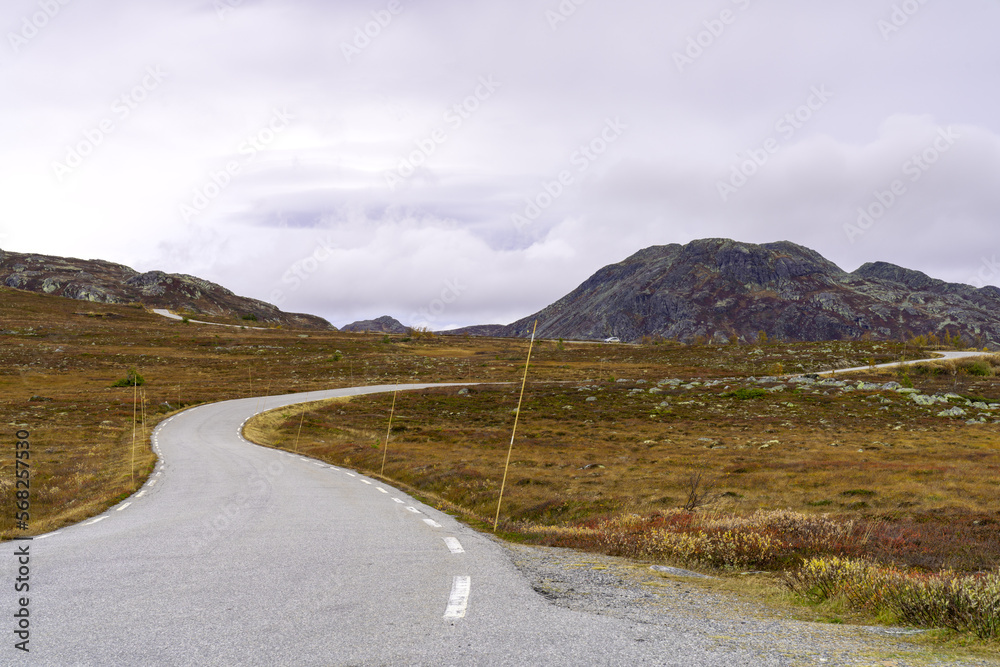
pixel 892 364
pixel 235 554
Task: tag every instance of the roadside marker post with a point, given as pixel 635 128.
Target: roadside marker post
pixel 517 416
pixel 385 450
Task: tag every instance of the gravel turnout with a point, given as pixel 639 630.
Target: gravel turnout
pixel 658 602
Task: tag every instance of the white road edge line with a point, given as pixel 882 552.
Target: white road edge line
pixel 92 522
pixel 123 507
pixel 42 537
pixel 141 494
pixel 414 510
pixel 459 600
pixel 397 500
pixel 365 481
pixel 454 545
pixel 432 523
pixel 381 489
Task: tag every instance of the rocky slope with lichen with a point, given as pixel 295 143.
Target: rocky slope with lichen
pixel 106 282
pixel 384 324
pixel 719 289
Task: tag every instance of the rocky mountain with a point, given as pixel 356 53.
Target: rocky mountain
pixel 384 324
pixel 717 289
pixel 106 282
pixel 487 330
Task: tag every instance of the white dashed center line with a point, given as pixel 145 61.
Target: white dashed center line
pixel 454 545
pixel 459 600
pixel 381 489
pixel 413 509
pixel 365 481
pixel 397 500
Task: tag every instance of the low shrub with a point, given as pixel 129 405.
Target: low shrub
pixel 764 539
pixel 745 393
pixel 969 603
pixel 132 379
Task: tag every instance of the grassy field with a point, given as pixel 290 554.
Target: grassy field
pixel 656 451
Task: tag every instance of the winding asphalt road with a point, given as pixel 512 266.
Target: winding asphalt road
pixel 235 554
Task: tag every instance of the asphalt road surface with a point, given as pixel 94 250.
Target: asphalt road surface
pixel 235 554
pixel 892 364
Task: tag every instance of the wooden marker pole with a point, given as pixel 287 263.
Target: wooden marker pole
pixel 385 450
pixel 517 416
pixel 299 432
pixel 135 396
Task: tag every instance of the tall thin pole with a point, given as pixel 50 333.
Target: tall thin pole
pixel 135 395
pixel 385 450
pixel 517 415
pixel 299 432
pixel 142 403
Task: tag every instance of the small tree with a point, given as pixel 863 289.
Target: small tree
pixel 131 379
pixel 699 492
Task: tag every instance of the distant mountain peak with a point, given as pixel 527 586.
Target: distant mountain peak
pixel 384 324
pixel 718 289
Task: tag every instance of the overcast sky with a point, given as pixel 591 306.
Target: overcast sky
pixel 454 163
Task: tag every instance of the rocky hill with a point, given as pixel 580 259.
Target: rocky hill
pixel 717 289
pixel 384 324
pixel 106 282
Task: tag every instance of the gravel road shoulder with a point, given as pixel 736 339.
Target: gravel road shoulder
pixel 597 584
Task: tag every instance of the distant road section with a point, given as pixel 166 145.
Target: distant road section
pixel 167 313
pixel 944 356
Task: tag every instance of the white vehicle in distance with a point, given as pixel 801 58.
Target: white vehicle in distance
pixel 613 339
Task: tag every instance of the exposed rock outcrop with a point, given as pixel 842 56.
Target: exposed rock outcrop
pixel 384 324
pixel 106 282
pixel 719 289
